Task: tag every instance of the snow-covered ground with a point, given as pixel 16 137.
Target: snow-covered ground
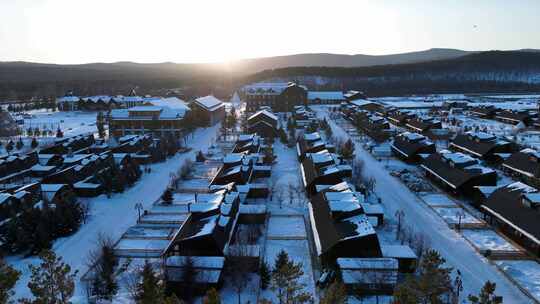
pixel 112 216
pixel 286 226
pixel 395 196
pixel 71 123
pixel 524 272
pixel 452 215
pixel 487 239
pixel 438 200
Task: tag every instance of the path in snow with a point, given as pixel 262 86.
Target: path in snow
pixel 286 225
pixel 113 216
pixel 475 269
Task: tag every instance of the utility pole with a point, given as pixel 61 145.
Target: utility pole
pixel 139 207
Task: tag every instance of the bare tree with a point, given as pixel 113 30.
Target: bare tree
pixel 239 267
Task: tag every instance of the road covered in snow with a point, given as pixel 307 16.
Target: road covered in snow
pixel 459 254
pixel 113 216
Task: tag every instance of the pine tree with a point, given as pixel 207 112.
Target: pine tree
pixel 335 294
pixel 487 295
pixel 150 289
pixel 51 282
pixel 105 285
pixel 34 143
pixel 100 123
pixel 265 275
pixel 20 144
pixel 59 133
pixel 285 280
pixel 431 285
pixel 9 146
pixel 167 196
pixel 347 150
pixel 8 278
pixel 212 297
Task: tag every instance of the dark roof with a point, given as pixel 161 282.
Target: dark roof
pixel 411 147
pixel 423 124
pixel 506 204
pixel 330 230
pixel 514 115
pixel 476 145
pixel 452 173
pixel 526 160
pixel 483 110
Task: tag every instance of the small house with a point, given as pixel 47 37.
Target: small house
pixel 410 146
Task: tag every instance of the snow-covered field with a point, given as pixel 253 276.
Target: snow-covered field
pixel 524 272
pixel 487 239
pixel 112 216
pixel 438 200
pixel 452 215
pixel 286 226
pixel 71 123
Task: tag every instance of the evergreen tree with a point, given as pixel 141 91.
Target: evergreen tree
pixel 9 146
pixel 487 295
pixel 51 282
pixel 167 196
pixel 34 143
pixel 265 275
pixel 100 123
pixel 285 280
pixel 104 283
pixel 20 144
pixel 8 278
pixel 347 150
pixel 212 297
pixel 335 294
pixel 431 284
pixel 59 133
pixel 149 289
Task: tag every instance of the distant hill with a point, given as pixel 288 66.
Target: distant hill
pixel 24 79
pixel 482 71
pixel 338 60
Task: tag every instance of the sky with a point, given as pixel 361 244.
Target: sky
pixel 83 31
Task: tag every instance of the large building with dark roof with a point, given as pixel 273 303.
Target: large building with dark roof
pixel 514 209
pixel 410 146
pixel 458 172
pixel 525 165
pixel 481 145
pixel 280 97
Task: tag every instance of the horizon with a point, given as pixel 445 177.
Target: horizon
pixel 79 32
pixel 271 56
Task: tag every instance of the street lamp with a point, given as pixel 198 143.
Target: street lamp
pixel 139 207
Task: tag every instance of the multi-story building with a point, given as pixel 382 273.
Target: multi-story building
pixel 281 97
pixel 156 120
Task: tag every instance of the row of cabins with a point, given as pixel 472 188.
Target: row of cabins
pixel 513 208
pixel 514 117
pixel 303 116
pixel 53 170
pixel 343 222
pixel 198 230
pixel 208 235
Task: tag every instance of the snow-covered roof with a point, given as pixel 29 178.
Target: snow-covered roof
pixel 361 102
pixel 368 263
pixel 266 113
pixel 397 251
pixel 170 102
pixel 325 95
pixel 363 226
pixel 209 102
